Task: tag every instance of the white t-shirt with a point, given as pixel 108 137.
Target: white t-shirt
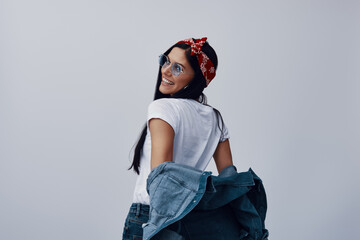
pixel 196 137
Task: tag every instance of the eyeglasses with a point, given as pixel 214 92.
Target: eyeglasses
pixel 176 68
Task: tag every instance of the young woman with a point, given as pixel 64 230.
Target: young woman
pixel 180 126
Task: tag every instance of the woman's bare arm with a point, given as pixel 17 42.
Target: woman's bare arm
pixel 162 141
pixel 222 155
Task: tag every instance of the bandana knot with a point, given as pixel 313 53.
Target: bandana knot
pixel 195 47
pixel 206 66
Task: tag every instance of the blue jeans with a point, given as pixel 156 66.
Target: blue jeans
pixel 138 214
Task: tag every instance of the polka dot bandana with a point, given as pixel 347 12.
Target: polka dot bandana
pixel 206 66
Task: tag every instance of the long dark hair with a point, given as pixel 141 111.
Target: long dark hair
pixel 194 90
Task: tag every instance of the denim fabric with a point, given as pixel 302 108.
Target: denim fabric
pixel 138 214
pixel 191 204
pixel 237 201
pixel 174 190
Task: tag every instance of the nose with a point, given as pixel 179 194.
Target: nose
pixel 166 69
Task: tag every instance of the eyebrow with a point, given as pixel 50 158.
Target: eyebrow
pixel 177 63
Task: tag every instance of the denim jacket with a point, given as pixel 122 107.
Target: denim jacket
pixel 179 191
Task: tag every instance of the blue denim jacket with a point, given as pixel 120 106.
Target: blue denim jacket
pixel 182 192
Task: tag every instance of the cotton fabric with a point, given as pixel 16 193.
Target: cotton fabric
pixel 196 137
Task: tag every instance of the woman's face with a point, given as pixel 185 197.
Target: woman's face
pixel 176 55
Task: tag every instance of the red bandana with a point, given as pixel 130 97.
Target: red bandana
pixel 206 66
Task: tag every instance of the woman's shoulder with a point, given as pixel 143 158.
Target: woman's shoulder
pixel 162 103
pixel 165 109
pixel 177 105
pixel 165 101
pixel 171 102
pixel 166 105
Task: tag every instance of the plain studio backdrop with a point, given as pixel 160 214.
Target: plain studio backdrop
pixel 76 78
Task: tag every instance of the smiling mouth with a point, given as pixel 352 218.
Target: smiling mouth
pixel 167 81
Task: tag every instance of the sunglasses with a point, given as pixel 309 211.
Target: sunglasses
pixel 176 68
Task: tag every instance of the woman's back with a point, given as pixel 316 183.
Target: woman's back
pixel 196 137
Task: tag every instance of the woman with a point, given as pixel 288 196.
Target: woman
pixel 180 126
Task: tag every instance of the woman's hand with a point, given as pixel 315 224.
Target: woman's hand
pixel 162 141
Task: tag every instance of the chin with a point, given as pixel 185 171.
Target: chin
pixel 164 91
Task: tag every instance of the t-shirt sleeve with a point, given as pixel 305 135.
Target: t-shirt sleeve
pixel 225 134
pixel 163 109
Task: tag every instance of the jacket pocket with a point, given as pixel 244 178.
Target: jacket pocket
pixel 168 196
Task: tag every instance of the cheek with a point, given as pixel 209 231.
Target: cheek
pixel 187 79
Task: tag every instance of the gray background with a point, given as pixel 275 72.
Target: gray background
pixel 76 78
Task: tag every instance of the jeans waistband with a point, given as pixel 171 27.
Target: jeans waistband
pixel 139 209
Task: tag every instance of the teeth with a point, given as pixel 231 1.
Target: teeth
pixel 167 81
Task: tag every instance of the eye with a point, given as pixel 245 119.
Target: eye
pixel 178 67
